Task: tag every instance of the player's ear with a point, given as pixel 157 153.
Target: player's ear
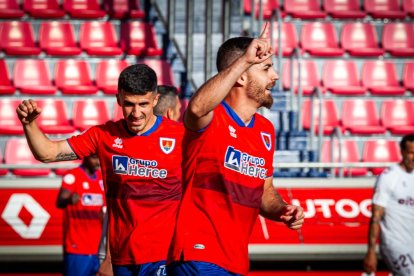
pixel 157 96
pixel 242 80
pixel 170 113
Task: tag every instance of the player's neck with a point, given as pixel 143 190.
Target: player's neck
pixel 149 125
pixel 242 106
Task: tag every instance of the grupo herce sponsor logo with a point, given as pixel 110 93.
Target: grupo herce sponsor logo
pixel 137 167
pixel 244 163
pixel 345 207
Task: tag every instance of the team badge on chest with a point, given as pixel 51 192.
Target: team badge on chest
pixel 267 141
pixel 167 144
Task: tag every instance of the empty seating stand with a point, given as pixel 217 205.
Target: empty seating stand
pixel 18 152
pixel 32 76
pixel 408 7
pixel 123 9
pixel 87 113
pixel 361 117
pixel 340 9
pixel 309 76
pixel 289 38
pixel 73 76
pixel 9 122
pixel 107 74
pixel 84 9
pixel 381 151
pixel 54 118
pixel 57 38
pixel 99 38
pixel 360 39
pixel 6 87
pixel 340 77
pixel 381 79
pixel 304 9
pixel 330 117
pixel 138 38
pixel 397 116
pixel 163 70
pixel 408 76
pixel 398 39
pixel 267 7
pixel 320 39
pixel 17 38
pixel 10 9
pixel 384 9
pixel 43 8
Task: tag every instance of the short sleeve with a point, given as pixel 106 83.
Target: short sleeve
pixel 85 143
pixel 68 181
pixel 382 190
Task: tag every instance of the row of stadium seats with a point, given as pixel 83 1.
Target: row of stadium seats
pixel 358 117
pixel 361 116
pixel 379 150
pixel 356 39
pixel 341 77
pixel 82 9
pixel 72 76
pixel 349 9
pixel 97 38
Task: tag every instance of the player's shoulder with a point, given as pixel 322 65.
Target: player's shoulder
pixel 263 121
pixel 172 125
pixel 391 172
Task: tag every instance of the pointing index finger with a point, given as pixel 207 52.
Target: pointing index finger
pixel 264 31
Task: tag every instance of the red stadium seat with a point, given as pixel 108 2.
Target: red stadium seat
pixel 99 38
pixel 289 38
pixel 6 87
pixel 408 76
pixel 320 39
pixel 43 8
pixel 397 116
pixel 408 7
pixel 398 39
pixel 304 9
pixel 381 151
pixel 17 38
pixel 32 76
pixel 9 122
pixel 74 77
pixel 330 118
pixel 268 6
pixel 10 9
pixel 163 69
pixel 57 38
pixel 309 76
pixel 88 112
pixel 360 39
pixel 54 118
pixel 380 77
pixel 361 117
pixel 123 9
pixel 138 38
pixel 18 152
pixel 107 74
pixel 343 9
pixel 84 9
pixel 384 9
pixel 349 153
pixel 340 77
pixel 2 171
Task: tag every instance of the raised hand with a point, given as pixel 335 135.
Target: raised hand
pixel 28 111
pixel 292 216
pixel 260 48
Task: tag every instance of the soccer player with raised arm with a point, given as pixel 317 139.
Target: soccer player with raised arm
pixel 140 157
pixel 227 164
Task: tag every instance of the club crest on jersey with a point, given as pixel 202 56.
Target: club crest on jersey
pixel 267 141
pixel 167 144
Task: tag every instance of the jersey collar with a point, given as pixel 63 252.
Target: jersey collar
pixel 236 117
pixel 149 131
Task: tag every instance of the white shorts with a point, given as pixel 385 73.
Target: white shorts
pixel 400 262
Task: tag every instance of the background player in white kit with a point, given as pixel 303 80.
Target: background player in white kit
pixel 393 215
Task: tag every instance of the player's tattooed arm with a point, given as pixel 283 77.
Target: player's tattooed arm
pixel 374 225
pixel 66 156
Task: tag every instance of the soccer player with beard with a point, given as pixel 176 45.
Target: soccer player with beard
pixel 227 164
pixel 140 157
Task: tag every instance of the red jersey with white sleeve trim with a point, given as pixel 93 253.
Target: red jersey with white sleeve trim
pixel 142 177
pixel 224 169
pixel 82 222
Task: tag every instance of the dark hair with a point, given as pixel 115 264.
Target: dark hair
pixel 405 139
pixel 137 79
pixel 231 50
pixel 167 99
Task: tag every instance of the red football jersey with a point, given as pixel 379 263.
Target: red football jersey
pixel 82 222
pixel 224 169
pixel 142 177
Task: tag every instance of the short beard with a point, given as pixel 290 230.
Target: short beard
pixel 259 95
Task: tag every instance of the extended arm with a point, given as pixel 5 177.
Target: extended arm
pixel 41 146
pixel 199 112
pixel 370 261
pixel 275 208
